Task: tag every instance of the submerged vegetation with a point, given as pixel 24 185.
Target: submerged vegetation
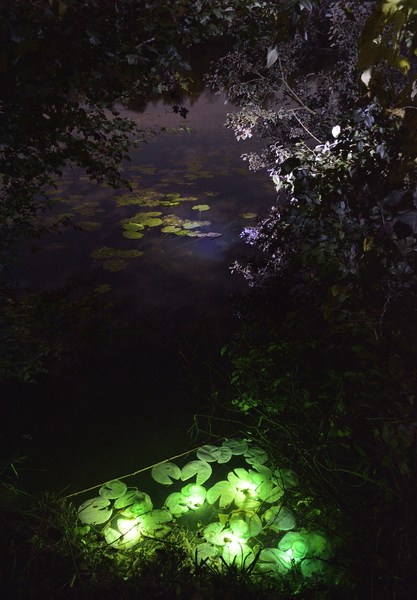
pixel 323 371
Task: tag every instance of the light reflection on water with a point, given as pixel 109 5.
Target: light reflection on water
pixel 127 408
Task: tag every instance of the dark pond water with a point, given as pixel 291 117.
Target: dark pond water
pixel 132 403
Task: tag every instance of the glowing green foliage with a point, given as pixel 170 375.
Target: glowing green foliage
pixel 177 503
pixel 272 559
pixel 154 521
pixel 233 539
pixel 132 235
pixel 269 491
pixel 113 489
pixel 223 491
pixel 205 551
pixel 237 446
pixel 279 518
pixel 194 494
pixel 201 468
pixel 165 472
pixel 95 511
pixel 255 456
pixel 209 453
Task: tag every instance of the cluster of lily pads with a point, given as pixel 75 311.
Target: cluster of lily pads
pixel 247 524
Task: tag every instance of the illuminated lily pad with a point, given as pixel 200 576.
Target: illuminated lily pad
pixel 223 491
pixel 201 468
pixel 113 489
pixel 95 511
pixel 115 265
pixel 132 235
pixel 153 520
pixel 165 472
pixel 286 478
pixel 270 492
pixel 208 453
pixel 256 456
pixel 177 504
pixel 141 505
pixel 205 551
pixel 279 518
pixel 247 500
pixel 214 533
pixel 273 559
pixel 236 445
pixel 201 207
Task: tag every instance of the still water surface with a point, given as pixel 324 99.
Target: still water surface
pixel 129 406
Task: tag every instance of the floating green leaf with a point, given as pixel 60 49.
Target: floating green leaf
pixel 132 235
pixel 205 551
pixel 270 492
pixel 115 265
pixel 279 518
pixel 163 472
pixel 133 226
pixel 236 445
pixel 170 229
pixel 113 489
pixel 201 468
pixel 223 491
pixel 177 504
pixel 208 453
pixel 255 456
pixel 95 511
pixel 201 207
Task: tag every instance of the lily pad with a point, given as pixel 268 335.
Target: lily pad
pixel 201 468
pixel 223 491
pixel 270 492
pixel 279 518
pixel 113 489
pixel 236 445
pixel 88 225
pixel 256 456
pixel 201 207
pixel 208 453
pixel 275 560
pixel 177 504
pixel 155 519
pixel 205 551
pixel 132 235
pixel 133 226
pixel 115 265
pixel 165 472
pixel 141 505
pixel 95 511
